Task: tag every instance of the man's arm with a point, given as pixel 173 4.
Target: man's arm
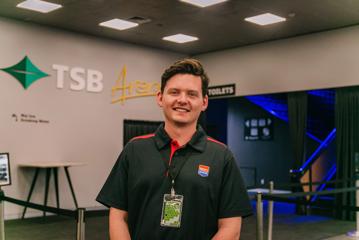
pixel 228 228
pixel 118 225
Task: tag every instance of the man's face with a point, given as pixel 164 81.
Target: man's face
pixel 182 99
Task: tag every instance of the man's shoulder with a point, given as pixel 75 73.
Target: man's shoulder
pixel 215 143
pixel 139 143
pixel 142 137
pixel 141 140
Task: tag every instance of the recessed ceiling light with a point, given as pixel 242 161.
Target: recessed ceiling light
pixel 39 6
pixel 265 19
pixel 118 24
pixel 180 38
pixel 203 3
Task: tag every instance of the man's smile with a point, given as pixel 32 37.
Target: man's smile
pixel 181 109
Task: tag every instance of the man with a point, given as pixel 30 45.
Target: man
pixel 176 183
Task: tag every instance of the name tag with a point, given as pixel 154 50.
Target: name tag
pixel 172 210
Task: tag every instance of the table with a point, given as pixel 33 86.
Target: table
pixel 266 190
pixel 50 167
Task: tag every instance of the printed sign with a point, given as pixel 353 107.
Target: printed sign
pixel 223 90
pixel 4 169
pixel 258 129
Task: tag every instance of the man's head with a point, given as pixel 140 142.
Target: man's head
pixel 183 94
pixel 186 66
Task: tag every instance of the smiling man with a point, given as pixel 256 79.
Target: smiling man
pixel 177 183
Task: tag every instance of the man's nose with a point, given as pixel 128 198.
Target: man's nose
pixel 182 97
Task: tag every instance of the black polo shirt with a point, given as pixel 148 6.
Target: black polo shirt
pixel 208 179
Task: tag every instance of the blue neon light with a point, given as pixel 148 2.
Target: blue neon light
pixel 330 174
pixel 324 144
pixel 276 107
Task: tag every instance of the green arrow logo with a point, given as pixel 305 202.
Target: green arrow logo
pixel 25 72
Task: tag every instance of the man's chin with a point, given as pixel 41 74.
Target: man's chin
pixel 182 122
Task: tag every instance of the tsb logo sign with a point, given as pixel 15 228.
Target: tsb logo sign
pixel 80 78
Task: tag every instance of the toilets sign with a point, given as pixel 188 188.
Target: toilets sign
pixel 223 90
pixel 73 78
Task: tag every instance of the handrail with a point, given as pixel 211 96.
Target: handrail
pixel 285 185
pixel 298 198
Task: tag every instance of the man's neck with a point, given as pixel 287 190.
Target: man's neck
pixel 182 134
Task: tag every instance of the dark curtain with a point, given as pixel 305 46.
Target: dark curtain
pixel 297 114
pixel 134 128
pixel 346 122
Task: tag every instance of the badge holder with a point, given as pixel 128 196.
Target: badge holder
pixel 172 210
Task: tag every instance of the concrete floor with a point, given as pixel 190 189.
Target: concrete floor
pixel 287 226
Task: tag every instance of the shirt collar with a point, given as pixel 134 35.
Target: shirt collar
pixel 197 142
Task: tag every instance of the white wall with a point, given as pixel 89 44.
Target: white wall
pixel 84 126
pixel 323 60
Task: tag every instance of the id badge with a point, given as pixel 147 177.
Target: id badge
pixel 171 210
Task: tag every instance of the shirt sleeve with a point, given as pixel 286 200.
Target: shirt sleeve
pixel 234 200
pixel 114 192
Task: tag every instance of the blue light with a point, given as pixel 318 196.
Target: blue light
pixel 324 144
pixel 330 174
pixel 277 107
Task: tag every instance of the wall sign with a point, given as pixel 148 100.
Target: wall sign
pixel 223 90
pixel 124 90
pixel 80 79
pixel 4 169
pixel 25 72
pixel 28 118
pixel 258 129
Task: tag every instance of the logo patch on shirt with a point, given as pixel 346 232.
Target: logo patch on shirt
pixel 203 170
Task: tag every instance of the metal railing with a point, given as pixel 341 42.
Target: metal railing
pixel 78 214
pixel 299 199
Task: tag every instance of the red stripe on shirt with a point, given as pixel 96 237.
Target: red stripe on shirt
pixel 143 136
pixel 215 141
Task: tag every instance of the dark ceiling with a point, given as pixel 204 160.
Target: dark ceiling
pixel 218 27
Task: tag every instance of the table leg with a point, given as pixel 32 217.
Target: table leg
pixel 48 175
pixel 56 188
pixel 70 184
pixel 31 190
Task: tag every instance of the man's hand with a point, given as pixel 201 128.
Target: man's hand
pixel 118 225
pixel 228 229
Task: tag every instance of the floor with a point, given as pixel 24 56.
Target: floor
pixel 286 226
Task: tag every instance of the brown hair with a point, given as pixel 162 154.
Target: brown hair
pixel 186 66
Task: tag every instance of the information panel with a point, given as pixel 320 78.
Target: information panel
pixel 4 169
pixel 258 129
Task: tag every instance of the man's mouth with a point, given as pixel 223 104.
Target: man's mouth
pixel 179 109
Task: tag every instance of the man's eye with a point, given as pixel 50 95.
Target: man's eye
pixel 173 92
pixel 192 94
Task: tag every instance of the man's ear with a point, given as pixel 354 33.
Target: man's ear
pixel 205 102
pixel 159 98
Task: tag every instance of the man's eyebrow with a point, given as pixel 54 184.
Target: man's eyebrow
pixel 173 89
pixel 192 91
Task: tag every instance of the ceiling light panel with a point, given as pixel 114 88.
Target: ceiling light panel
pixel 265 19
pixel 203 3
pixel 180 38
pixel 118 24
pixel 39 6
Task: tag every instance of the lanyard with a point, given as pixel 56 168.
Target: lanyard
pixel 171 173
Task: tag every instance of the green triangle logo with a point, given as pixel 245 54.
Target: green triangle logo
pixel 25 72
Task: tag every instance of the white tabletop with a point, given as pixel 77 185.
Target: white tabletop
pixel 50 164
pixel 266 190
